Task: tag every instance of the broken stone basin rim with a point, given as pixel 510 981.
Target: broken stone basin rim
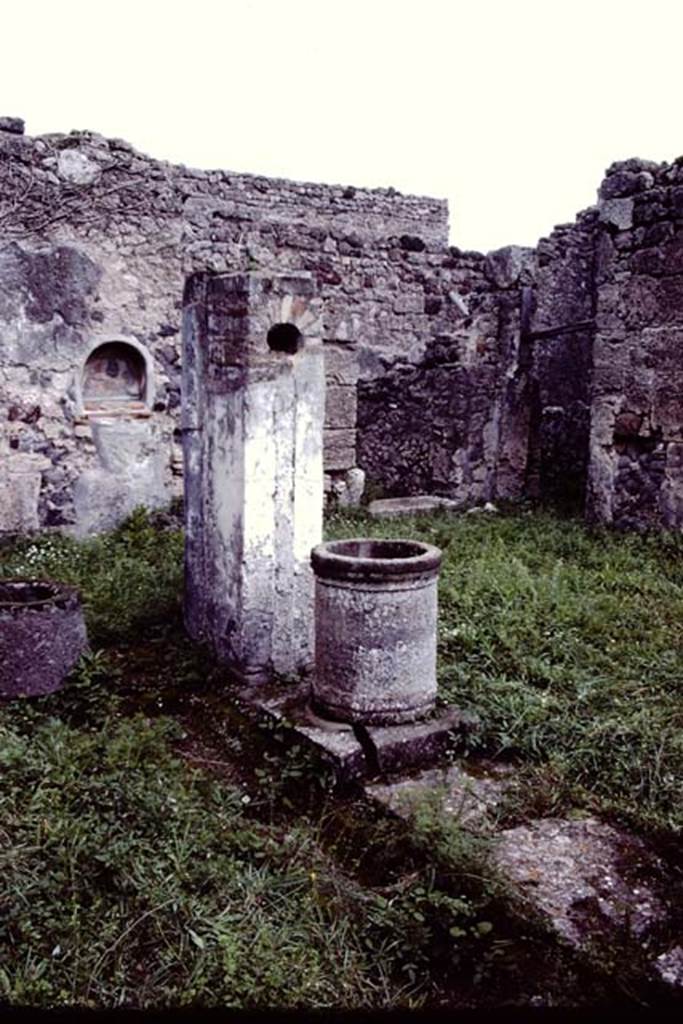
pixel 375 630
pixel 42 635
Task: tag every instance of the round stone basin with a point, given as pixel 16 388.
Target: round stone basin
pixel 42 635
pixel 366 558
pixel 28 593
pixel 375 630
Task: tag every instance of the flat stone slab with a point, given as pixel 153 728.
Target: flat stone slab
pixel 586 878
pixel 593 885
pixel 468 797
pixel 388 508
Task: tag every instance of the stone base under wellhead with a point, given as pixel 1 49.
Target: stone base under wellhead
pixel 357 752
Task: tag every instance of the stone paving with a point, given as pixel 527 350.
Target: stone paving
pixel 593 885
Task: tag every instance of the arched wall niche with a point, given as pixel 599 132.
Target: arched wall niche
pixel 115 379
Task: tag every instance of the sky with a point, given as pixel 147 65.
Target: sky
pixel 510 110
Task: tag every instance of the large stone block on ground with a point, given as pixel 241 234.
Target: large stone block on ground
pixel 389 508
pixel 588 880
pixel 594 886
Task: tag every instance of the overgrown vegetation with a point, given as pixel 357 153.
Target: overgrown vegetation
pixel 128 879
pixel 140 868
pixel 129 579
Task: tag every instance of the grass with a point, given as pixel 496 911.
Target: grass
pixel 131 880
pixel 129 579
pixel 130 877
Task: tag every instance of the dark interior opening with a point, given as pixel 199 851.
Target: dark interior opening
pixel 26 592
pixel 285 338
pixel 114 375
pixel 376 549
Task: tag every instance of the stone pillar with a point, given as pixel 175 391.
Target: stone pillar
pixel 253 408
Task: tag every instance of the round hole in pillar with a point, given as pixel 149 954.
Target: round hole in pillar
pixel 285 338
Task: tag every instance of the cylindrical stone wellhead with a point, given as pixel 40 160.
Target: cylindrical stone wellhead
pixel 375 630
pixel 42 635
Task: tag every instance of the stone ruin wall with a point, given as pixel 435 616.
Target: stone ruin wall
pixel 465 375
pixel 580 400
pixel 636 468
pixel 95 243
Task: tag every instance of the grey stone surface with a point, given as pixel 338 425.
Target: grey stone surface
pixel 253 435
pixel 335 742
pixel 345 491
pixel 412 745
pixel 594 886
pixel 12 125
pixel 468 793
pixel 618 212
pixel 504 266
pixel 341 749
pixel 389 508
pixel 355 752
pixel 375 629
pixel 20 483
pixel 588 880
pixel 341 365
pixel 340 407
pixel 669 967
pixel 556 339
pixel 488 508
pixel 131 472
pixel 340 449
pixel 42 636
pixel 76 168
pixel 635 475
pixel 97 240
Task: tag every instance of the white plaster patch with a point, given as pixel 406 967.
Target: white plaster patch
pixel 77 168
pixel 618 212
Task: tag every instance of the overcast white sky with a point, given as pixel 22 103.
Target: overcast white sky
pixel 510 110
